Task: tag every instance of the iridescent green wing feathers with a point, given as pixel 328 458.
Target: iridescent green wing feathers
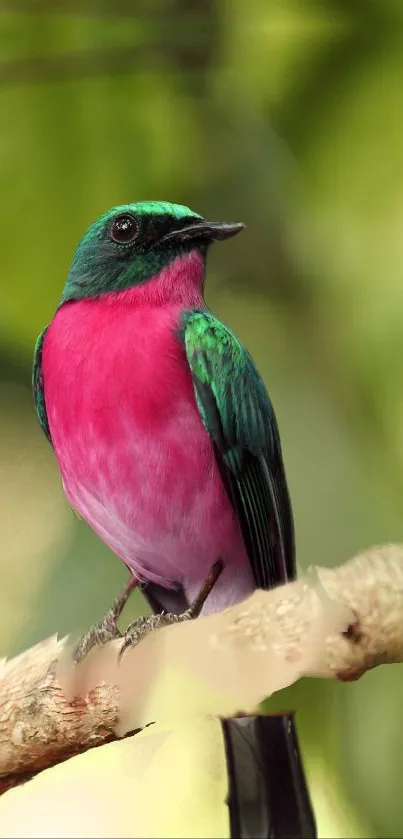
pixel 37 386
pixel 239 417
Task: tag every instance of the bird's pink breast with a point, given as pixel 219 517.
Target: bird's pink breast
pixel 135 459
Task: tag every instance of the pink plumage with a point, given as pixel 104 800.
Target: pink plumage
pixel 136 461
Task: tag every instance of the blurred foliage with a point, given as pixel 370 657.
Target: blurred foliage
pixel 288 115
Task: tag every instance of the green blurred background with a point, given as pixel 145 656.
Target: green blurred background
pixel 287 114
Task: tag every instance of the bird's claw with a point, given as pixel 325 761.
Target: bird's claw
pixel 141 627
pixel 107 629
pixel 99 634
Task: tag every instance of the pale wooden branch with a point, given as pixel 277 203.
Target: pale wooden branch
pixel 46 714
pixel 334 623
pixel 39 726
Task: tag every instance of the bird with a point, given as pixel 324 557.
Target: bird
pixel 165 436
pixel 166 439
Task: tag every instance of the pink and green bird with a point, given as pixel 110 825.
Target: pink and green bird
pixel 165 436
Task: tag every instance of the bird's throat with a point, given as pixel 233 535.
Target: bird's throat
pixel 180 282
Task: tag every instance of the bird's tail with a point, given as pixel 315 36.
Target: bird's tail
pixel 267 793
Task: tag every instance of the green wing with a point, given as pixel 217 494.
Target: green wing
pixel 240 419
pixel 37 386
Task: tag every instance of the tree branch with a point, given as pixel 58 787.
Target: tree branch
pixel 39 725
pixel 334 623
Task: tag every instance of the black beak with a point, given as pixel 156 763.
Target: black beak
pixel 204 231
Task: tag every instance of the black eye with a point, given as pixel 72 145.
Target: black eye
pixel 124 229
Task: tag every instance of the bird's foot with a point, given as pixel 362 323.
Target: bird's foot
pixel 107 629
pixel 141 627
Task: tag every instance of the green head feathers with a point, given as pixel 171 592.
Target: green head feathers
pixel 130 243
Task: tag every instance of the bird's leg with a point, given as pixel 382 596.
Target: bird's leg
pixel 141 627
pixel 107 629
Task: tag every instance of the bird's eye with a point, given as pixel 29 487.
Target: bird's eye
pixel 124 229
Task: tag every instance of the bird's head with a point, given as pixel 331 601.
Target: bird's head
pixel 132 244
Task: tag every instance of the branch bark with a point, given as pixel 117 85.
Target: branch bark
pixel 39 724
pixel 335 623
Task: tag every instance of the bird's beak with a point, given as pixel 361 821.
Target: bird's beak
pixel 200 230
